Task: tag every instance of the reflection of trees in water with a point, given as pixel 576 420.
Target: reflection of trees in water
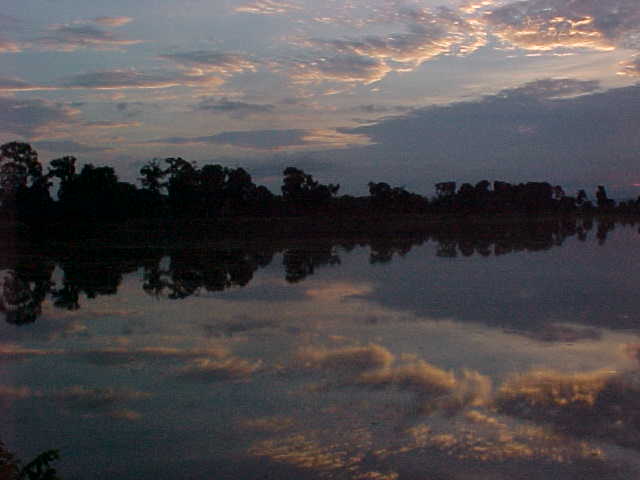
pixel 190 271
pixel 299 263
pixel 382 250
pixel 24 287
pixel 500 239
pixel 93 274
pixel 175 274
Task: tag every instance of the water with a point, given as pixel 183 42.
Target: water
pixel 511 354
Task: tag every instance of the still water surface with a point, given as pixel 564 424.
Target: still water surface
pixel 406 358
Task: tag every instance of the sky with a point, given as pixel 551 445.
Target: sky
pixel 410 92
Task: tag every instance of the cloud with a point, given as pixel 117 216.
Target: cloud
pixel 550 88
pixel 428 35
pixel 112 21
pixel 556 125
pixel 544 25
pixel 100 401
pixel 13 84
pixel 274 424
pixel 116 355
pixel 14 393
pixel 202 61
pixel 238 325
pixel 338 292
pixel 216 370
pixel 105 124
pixel 424 35
pixel 601 404
pixel 631 68
pixel 314 452
pixel 122 356
pixel 237 109
pixel 69 38
pixel 11 352
pixel 267 7
pixel 31 117
pixel 434 388
pixel 88 401
pixel 374 109
pixel 132 79
pixel 273 139
pixel 67 146
pixel 563 333
pixel 348 359
pixel 374 366
pixel 486 440
pixel 348 68
pixel 7 46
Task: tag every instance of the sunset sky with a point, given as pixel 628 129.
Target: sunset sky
pixel 404 91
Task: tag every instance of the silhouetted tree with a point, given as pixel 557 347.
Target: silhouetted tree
pixel 19 168
pixel 302 191
pixel 182 186
pixel 152 176
pixel 602 199
pixel 445 189
pixel 24 191
pixel 239 190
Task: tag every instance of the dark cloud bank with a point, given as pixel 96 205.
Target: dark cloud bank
pixel 564 131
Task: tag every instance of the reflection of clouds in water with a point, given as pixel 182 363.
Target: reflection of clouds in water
pixel 119 356
pixel 338 291
pixel 215 370
pixel 602 404
pixel 348 358
pixel 342 454
pixel 89 402
pixel 481 437
pixel 92 402
pixel 9 393
pixel 13 352
pixel 374 366
pixel 278 423
pixel 554 332
pixel 577 419
pixel 113 355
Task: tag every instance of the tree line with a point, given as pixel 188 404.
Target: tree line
pixel 177 188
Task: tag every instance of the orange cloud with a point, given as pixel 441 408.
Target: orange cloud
pixel 267 7
pixel 69 38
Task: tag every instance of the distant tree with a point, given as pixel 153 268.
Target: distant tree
pixel 482 187
pixel 445 189
pixel 303 191
pixel 558 192
pixel 19 167
pixel 602 199
pixel 183 186
pixel 96 194
pixel 535 197
pixel 21 176
pixel 64 169
pixel 581 198
pixel 152 175
pixel 381 195
pixel 239 188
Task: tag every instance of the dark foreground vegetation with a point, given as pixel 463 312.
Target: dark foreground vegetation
pixel 175 190
pixel 39 468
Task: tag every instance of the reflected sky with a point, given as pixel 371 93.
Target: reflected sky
pixel 425 365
